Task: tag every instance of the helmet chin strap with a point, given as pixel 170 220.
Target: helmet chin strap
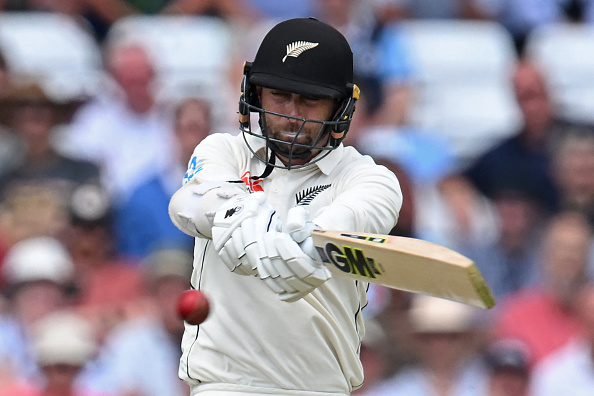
pixel 268 169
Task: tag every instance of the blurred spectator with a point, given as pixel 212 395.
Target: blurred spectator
pixel 425 158
pixel 518 178
pixel 523 158
pixel 444 9
pixel 376 356
pixel 77 10
pixel 42 178
pixel 573 169
pixel 63 344
pixel 405 226
pixel 154 335
pixel 10 146
pixel 510 261
pixel 444 340
pixel 581 11
pixel 99 15
pixel 509 371
pixel 112 10
pixel 521 18
pixel 143 221
pixel 108 283
pixel 446 210
pixel 68 7
pixel 387 348
pixel 72 8
pixel 278 11
pixel 39 279
pixel 382 68
pixel 34 117
pixel 125 129
pixel 102 14
pixel 4 75
pixel 542 316
pixel 568 371
pixel 32 210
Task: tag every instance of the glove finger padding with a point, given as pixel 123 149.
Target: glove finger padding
pixel 249 246
pixel 286 274
pixel 309 271
pixel 297 224
pixel 234 256
pixel 268 266
pixel 286 270
pixel 299 227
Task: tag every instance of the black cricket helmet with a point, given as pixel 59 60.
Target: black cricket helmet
pixel 306 57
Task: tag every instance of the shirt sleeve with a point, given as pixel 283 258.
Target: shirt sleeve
pixel 216 158
pixel 368 199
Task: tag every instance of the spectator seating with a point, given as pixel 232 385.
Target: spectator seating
pixel 53 47
pixel 565 52
pixel 462 82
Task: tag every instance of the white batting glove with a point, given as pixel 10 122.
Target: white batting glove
pixel 286 269
pixel 236 226
pixel 299 227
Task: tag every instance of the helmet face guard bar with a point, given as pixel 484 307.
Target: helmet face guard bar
pixel 291 150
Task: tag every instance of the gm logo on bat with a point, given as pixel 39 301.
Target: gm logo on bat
pixel 350 260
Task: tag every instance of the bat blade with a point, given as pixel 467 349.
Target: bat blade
pixel 408 264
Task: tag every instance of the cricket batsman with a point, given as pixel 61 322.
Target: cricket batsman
pixel 280 323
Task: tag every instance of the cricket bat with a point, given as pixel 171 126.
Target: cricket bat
pixel 409 264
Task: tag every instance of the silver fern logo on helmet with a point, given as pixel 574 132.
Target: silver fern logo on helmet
pixel 297 48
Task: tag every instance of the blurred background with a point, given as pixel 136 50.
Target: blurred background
pixel 484 109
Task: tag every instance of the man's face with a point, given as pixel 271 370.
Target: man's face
pixel 133 70
pixel 33 120
pixel 292 130
pixel 191 127
pixel 35 299
pixel 508 382
pixel 566 251
pixel 532 97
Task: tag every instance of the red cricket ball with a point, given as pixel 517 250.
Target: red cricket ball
pixel 193 306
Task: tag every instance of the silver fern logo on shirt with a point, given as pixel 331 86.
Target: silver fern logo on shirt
pixel 306 196
pixel 297 48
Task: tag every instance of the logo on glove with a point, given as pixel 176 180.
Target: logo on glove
pixel 233 211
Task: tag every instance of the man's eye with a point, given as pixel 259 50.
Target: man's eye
pixel 311 101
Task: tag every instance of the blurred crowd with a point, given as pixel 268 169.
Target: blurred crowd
pixel 91 266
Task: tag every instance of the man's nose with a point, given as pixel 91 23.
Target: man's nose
pixel 293 107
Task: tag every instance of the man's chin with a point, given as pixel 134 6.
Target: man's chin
pixel 284 150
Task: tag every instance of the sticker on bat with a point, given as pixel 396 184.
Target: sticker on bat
pixel 350 260
pixel 369 238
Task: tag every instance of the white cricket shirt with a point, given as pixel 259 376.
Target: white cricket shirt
pixel 254 342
